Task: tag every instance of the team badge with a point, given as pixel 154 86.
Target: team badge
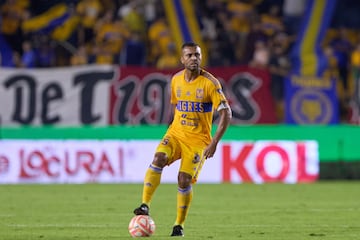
pixel 311 107
pixel 178 92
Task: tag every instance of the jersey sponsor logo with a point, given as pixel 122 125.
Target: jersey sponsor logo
pixel 189 123
pixel 187 106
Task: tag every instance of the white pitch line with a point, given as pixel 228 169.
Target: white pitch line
pixel 290 210
pixel 56 225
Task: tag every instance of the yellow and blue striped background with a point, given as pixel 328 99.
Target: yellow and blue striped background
pixel 309 59
pixel 47 21
pixel 184 24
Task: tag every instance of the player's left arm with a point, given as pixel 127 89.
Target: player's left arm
pixel 225 115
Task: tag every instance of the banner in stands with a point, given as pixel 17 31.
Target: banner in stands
pixel 104 94
pixel 311 100
pixel 59 96
pixel 70 161
pixel 141 95
pixel 310 89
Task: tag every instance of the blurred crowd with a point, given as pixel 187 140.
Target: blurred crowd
pixel 258 33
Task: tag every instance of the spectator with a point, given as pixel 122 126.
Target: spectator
pixel 333 72
pixel 169 59
pixel 80 57
pixel 12 14
pixel 28 58
pixel 271 21
pixel 132 15
pixel 226 42
pixel 342 49
pixel 89 12
pixel 102 55
pixel 292 14
pixel 240 18
pixel 355 70
pixel 215 58
pixel 261 55
pixel 279 66
pixel 45 53
pixel 134 51
pixel 160 37
pixel 111 34
pixel 355 63
pixel 256 34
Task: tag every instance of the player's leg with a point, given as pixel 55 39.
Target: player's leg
pixel 153 176
pixel 189 164
pixel 165 154
pixel 184 198
pixel 151 182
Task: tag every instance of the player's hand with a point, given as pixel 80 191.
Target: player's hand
pixel 210 150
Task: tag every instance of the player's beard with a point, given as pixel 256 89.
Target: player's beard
pixel 193 67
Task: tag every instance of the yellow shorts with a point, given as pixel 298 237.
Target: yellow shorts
pixel 190 155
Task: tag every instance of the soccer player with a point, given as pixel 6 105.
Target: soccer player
pixel 195 94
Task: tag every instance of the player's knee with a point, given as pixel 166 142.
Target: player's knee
pixel 184 180
pixel 160 159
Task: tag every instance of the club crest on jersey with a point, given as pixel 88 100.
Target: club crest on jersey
pixel 178 92
pixel 199 93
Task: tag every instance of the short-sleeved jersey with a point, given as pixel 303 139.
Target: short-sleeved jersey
pixel 195 104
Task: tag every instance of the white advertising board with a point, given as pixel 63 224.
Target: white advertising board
pixel 84 161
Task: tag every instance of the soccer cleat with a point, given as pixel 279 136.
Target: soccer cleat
pixel 142 210
pixel 178 231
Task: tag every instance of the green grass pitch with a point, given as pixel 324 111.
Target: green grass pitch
pixel 323 210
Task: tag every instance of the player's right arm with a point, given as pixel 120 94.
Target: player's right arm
pixel 172 113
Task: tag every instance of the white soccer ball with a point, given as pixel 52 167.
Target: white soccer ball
pixel 141 226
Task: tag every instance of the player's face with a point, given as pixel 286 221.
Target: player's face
pixel 191 58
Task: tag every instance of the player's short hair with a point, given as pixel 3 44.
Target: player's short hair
pixel 189 44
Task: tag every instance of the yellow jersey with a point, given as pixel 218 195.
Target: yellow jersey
pixel 195 104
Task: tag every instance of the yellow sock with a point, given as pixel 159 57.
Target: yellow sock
pixel 184 197
pixel 151 182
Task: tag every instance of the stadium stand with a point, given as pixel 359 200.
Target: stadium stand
pixel 257 33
